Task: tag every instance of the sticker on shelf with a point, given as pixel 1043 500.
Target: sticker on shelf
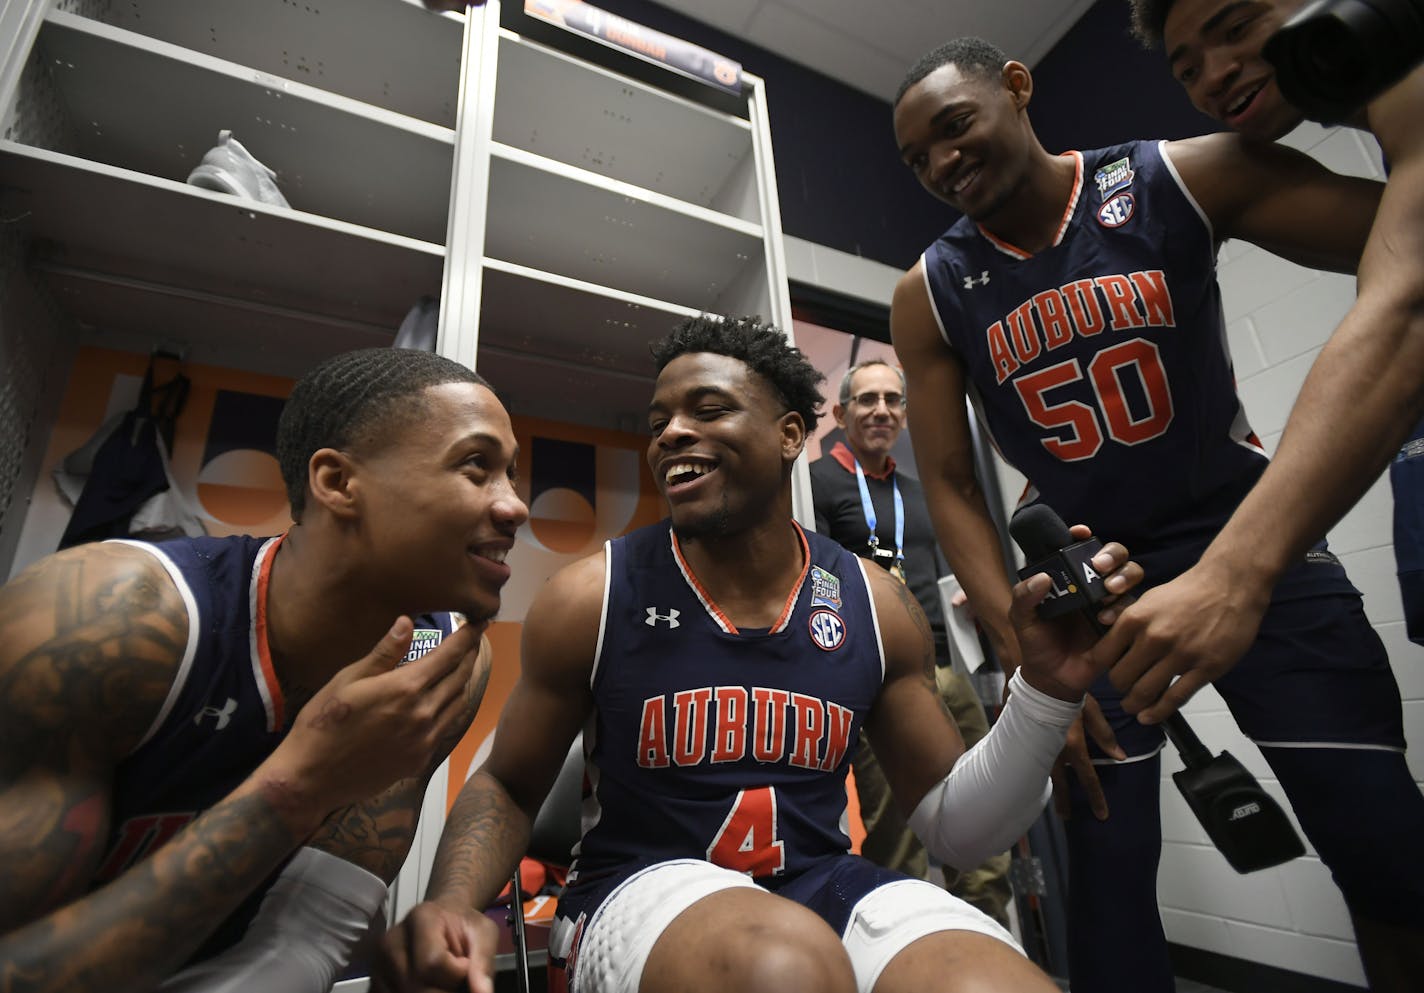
pixel 618 32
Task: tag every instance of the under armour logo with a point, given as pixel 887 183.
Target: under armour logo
pixel 983 280
pixel 224 716
pixel 670 618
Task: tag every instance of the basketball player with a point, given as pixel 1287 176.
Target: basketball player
pixel 721 664
pixel 177 719
pixel 1077 302
pixel 1359 401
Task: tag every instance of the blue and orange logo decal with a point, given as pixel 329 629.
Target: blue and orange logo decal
pixel 1116 211
pixel 828 631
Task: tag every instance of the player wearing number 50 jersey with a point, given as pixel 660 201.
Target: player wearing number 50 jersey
pixel 721 665
pixel 1076 302
pixel 1105 352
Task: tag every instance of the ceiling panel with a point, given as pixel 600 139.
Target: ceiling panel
pixel 869 46
pixel 731 16
pixel 780 28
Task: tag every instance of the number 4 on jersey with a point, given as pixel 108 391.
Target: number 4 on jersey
pixel 747 841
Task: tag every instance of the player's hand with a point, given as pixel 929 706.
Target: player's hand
pixel 374 723
pixel 1057 654
pixel 1196 627
pixel 437 947
pixel 1075 756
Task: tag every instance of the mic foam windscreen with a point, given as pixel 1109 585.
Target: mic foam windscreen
pixel 1039 531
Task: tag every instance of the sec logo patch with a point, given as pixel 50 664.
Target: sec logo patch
pixel 1117 211
pixel 828 631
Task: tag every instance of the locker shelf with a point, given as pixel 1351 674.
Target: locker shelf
pixel 96 223
pixel 558 218
pixel 153 107
pixel 562 108
pixel 348 47
pixel 571 351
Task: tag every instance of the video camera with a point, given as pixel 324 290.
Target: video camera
pixel 1335 56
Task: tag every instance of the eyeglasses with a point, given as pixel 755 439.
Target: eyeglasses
pixel 894 401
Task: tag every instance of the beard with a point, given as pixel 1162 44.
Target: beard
pixel 480 616
pixel 717 524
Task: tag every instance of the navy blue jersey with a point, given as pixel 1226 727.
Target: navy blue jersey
pixel 1100 364
pixel 712 743
pixel 1406 480
pixel 224 713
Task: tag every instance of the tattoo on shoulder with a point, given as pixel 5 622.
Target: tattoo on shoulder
pixel 922 627
pixel 97 635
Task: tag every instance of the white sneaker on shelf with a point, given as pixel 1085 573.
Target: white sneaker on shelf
pixel 229 168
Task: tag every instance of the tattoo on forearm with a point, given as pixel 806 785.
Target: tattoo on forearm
pixel 478 838
pixel 136 931
pixel 375 834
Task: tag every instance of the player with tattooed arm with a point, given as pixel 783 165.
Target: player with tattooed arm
pixel 177 720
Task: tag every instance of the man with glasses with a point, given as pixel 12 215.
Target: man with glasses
pixel 876 511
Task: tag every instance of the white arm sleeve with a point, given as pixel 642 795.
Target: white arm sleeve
pixel 998 787
pixel 309 922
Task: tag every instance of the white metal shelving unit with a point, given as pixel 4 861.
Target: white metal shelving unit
pixel 422 154
pixel 115 102
pixel 616 204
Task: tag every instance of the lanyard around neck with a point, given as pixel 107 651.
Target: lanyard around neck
pixel 869 509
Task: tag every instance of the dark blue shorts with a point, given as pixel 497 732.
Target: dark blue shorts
pixel 1317 674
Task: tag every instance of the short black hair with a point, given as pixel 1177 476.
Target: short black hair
pixel 356 399
pixel 761 347
pixel 974 57
pixel 1149 19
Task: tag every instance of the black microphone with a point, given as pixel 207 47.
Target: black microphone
pixel 1243 821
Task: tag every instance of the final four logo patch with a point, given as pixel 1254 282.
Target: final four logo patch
pixel 423 641
pixel 828 631
pixel 825 589
pixel 1113 177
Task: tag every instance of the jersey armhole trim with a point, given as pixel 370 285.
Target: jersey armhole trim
pixel 1177 178
pixel 190 651
pixel 929 296
pixel 264 670
pixel 603 613
pixel 874 614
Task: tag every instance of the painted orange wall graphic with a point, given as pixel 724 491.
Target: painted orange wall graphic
pixel 583 486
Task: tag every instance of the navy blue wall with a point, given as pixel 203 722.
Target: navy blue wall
pixel 1098 87
pixel 840 181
